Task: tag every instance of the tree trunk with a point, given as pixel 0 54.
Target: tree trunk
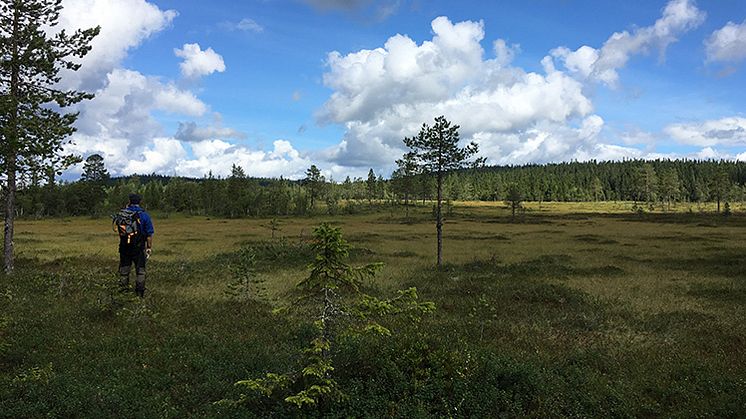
pixel 10 212
pixel 406 204
pixel 10 152
pixel 439 220
pixel 718 205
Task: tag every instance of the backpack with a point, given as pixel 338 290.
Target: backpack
pixel 127 223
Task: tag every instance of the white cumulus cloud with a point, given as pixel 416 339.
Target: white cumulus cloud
pixel 218 156
pixel 727 44
pixel 679 16
pixel 198 63
pixel 119 123
pixel 385 94
pixel 125 24
pixel 727 132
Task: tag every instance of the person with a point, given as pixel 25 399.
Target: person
pixel 136 251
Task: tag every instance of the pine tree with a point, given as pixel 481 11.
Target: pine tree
pixel 32 128
pixel 94 170
pixel 514 198
pixel 646 184
pixel 314 182
pixel 370 184
pixel 719 186
pixel 403 177
pixel 437 151
pixel 670 186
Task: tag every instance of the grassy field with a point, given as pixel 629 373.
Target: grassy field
pixel 567 310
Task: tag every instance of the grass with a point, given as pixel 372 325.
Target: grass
pixel 572 309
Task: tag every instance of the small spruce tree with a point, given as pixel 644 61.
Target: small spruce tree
pixel 333 288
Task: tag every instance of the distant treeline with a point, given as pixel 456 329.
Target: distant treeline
pixel 663 182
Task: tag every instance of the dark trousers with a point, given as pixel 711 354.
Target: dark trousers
pixel 129 255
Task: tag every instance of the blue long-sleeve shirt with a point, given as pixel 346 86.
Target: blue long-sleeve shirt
pixel 146 223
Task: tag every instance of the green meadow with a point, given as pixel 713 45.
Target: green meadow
pixel 583 309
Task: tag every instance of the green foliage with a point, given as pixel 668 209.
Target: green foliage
pixel 246 285
pixel 514 200
pixel 280 253
pixel 483 314
pixel 336 288
pixel 33 132
pixel 40 375
pixel 403 179
pixel 314 181
pixel 436 150
pixel 33 127
pixel 94 170
pixel 332 204
pixel 5 320
pixel 274 225
pixel 107 297
pixel 329 270
pixel 678 181
pixel 629 329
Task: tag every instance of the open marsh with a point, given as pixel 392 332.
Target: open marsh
pixel 582 312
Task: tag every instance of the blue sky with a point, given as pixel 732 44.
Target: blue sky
pixel 276 85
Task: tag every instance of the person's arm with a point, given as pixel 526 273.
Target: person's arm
pixel 148 246
pixel 149 230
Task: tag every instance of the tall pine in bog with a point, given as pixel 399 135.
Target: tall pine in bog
pixel 436 149
pixel 33 128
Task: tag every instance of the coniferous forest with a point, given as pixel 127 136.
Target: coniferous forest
pixel 662 183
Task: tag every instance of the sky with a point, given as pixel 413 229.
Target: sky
pixel 188 87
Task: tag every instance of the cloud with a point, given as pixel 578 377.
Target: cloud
pixel 198 63
pixel 161 157
pixel 249 25
pixel 170 156
pixel 727 44
pixel 679 16
pixel 125 24
pixel 726 132
pixel 385 94
pixel 635 136
pixel 191 132
pixel 218 156
pixel 120 123
pixel 123 107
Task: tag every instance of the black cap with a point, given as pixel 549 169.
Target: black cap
pixel 135 199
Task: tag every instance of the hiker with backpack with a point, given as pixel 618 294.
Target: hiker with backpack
pixel 135 228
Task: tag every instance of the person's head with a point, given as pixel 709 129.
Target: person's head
pixel 135 199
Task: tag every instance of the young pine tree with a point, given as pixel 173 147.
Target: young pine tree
pixel 437 151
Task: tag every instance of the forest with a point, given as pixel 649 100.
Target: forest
pixel 652 184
